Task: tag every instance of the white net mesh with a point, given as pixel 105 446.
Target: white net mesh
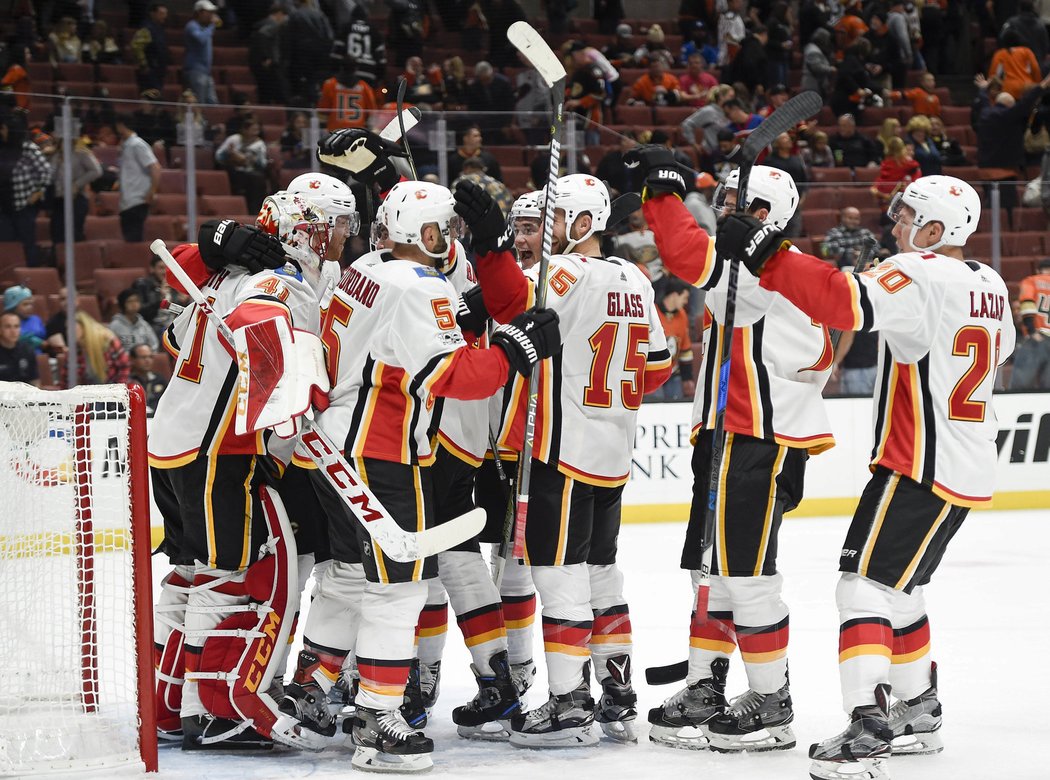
pixel 68 661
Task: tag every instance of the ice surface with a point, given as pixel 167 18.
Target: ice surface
pixel 988 615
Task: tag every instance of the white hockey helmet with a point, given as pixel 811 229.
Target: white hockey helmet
pixel 330 194
pixel 378 233
pixel 410 205
pixel 580 193
pixel 528 206
pixel 772 185
pixel 299 224
pixel 945 199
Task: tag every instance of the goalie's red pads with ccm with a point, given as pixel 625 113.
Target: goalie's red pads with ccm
pixel 238 658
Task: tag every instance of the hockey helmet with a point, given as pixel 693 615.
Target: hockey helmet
pixel 945 199
pixel 528 206
pixel 772 185
pixel 299 224
pixel 580 193
pixel 411 205
pixel 331 195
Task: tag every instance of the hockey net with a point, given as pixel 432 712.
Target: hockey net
pixel 76 669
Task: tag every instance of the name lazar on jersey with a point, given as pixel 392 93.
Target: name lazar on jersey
pixel 622 304
pixel 359 287
pixel 989 305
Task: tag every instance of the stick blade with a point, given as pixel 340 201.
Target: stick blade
pixel 392 131
pixel 447 535
pixel 665 675
pixel 805 105
pixel 524 37
pixel 623 207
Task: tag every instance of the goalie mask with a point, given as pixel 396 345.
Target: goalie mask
pixel 772 185
pixel 945 199
pixel 333 196
pixel 299 224
pixel 581 193
pixel 412 205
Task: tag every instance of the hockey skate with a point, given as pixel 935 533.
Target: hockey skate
pixel 487 716
pixel 754 721
pixel 206 732
pixel 523 674
pixel 915 722
pixel 859 752
pixel 421 691
pixel 618 706
pixel 341 697
pixel 564 721
pixel 682 720
pixel 386 743
pixel 307 702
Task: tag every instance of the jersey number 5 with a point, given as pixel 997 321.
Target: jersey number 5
pixel 974 342
pixel 603 342
pixel 338 311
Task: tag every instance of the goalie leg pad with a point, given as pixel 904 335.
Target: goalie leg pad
pixel 169 650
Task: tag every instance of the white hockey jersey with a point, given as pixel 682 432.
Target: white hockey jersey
pixel 196 412
pixel 589 393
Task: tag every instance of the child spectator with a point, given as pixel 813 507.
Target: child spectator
pixel 17 358
pixel 925 150
pixel 818 154
pixel 897 171
pixel 923 99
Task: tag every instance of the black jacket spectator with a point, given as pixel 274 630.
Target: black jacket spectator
pixel 490 91
pixel 750 66
pixel 266 56
pixel 1029 27
pixel 853 150
pixel 17 358
pixel 1000 129
pixel 852 78
pixel 149 49
pixel 308 42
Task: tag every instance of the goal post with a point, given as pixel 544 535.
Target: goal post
pixel 76 625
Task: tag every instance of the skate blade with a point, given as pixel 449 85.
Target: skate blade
pixel 681 737
pixel 861 769
pixel 622 731
pixel 582 736
pixel 925 744
pixel 493 731
pixel 771 738
pixel 372 760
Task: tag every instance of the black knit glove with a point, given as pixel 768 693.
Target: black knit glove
pixel 529 338
pixel 472 315
pixel 226 242
pixel 659 170
pixel 747 239
pixel 490 231
pixel 364 154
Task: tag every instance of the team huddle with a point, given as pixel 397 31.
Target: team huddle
pixel 416 362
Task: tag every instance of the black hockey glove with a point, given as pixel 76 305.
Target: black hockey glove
pixel 472 315
pixel 490 231
pixel 364 154
pixel 748 240
pixel 660 172
pixel 529 338
pixel 226 242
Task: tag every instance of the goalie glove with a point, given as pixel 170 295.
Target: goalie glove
pixel 490 231
pixel 472 315
pixel 364 154
pixel 748 240
pixel 660 171
pixel 529 338
pixel 226 242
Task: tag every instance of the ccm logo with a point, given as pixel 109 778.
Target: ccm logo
pixel 759 237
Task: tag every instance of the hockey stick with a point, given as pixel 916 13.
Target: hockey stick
pixel 396 543
pixel 397 127
pixel 402 85
pixel 623 207
pixel 533 48
pixel 800 108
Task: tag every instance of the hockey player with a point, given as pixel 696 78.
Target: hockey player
pixel 222 521
pixel 944 325
pixel 774 420
pixel 613 352
pixel 392 347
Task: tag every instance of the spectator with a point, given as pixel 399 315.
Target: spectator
pixel 1014 65
pixel 197 61
pixel 245 158
pixel 719 162
pixel 812 16
pixel 1029 30
pixel 850 27
pixel 638 245
pixel 346 99
pixel 100 48
pixel 890 129
pixel 853 87
pixel 731 31
pixel 661 138
pixel 817 70
pixel 750 67
pixel 295 149
pixel 656 87
pixel 139 179
pixel 472 36
pixel 852 149
pixel 741 122
pixel 558 15
pixel 672 301
pixel 654 48
pixel 101 359
pixel 24 177
pixel 779 45
pixel 698 202
pixel 63 44
pixel 266 51
pixel 501 14
pixel 697 81
pixel 926 153
pixel 153 290
pixel 710 119
pixel 17 359
pixel 364 42
pixel 612 170
pixel 844 242
pixel 1032 357
pixel 142 373
pixel 490 92
pixel 897 171
pixel 776 96
pixel 153 123
pixel 950 150
pixel 899 44
pixel 86 169
pixel 587 92
pixel 783 157
pixel 454 75
pixel 470 147
pixel 14 86
pixel 202 131
pixel 621 51
pixel 855 364
pixel 129 326
pixel 818 154
pixel 473 169
pixel 308 41
pixel 149 49
pixel 923 99
pixel 19 299
pixel 406 25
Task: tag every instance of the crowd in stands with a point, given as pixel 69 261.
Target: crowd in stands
pixel 699 83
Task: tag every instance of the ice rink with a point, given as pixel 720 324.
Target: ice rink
pixel 988 614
